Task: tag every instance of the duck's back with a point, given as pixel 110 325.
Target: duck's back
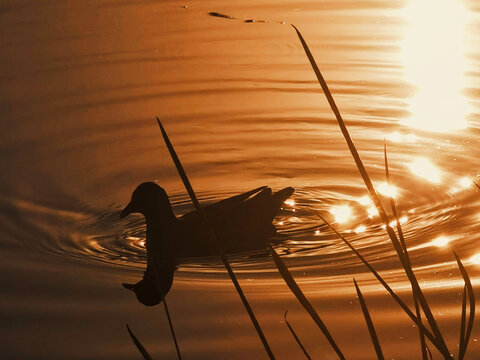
pixel 241 223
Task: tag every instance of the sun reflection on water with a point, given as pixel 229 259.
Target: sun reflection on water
pixel 360 229
pixel 463 183
pixel 341 213
pixel 398 138
pixel 475 259
pixel 364 200
pixel 441 241
pixel 290 202
pixel 423 168
pixel 434 57
pixel 387 190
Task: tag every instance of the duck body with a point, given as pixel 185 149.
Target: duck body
pixel 241 223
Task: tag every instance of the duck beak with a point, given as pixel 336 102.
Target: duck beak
pixel 128 210
pixel 128 286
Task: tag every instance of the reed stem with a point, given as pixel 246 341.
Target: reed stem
pixel 214 239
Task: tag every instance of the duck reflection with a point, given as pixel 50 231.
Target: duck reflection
pixel 242 223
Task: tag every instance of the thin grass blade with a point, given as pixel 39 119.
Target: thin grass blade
pixel 368 320
pixel 439 341
pixel 471 315
pixel 295 336
pixel 429 354
pixel 291 283
pixel 421 332
pixel 139 345
pixel 214 239
pixel 171 329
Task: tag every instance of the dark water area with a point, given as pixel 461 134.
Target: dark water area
pixel 80 85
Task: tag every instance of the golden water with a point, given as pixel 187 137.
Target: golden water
pixel 81 83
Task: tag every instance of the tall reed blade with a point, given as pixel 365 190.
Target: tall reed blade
pixel 381 280
pixel 295 289
pixel 171 329
pixel 368 319
pixel 214 239
pixel 295 336
pixel 471 315
pixel 394 209
pixel 405 252
pixel 463 321
pixel 439 343
pixel 139 345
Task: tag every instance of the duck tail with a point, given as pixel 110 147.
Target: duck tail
pixel 280 196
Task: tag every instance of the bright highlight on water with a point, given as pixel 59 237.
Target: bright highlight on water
pixel 434 55
pixel 424 168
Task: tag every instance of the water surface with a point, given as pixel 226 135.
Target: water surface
pixel 81 83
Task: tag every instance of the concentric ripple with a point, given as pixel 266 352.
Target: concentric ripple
pixel 305 242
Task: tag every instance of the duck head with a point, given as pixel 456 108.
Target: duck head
pixel 148 291
pixel 148 199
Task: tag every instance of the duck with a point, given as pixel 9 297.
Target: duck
pixel 241 223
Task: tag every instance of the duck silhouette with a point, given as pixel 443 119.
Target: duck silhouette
pixel 241 223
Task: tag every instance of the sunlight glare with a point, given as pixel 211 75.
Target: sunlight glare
pixel 465 182
pixel 290 202
pixel 475 259
pixel 341 213
pixel 364 200
pixel 398 138
pixel 462 184
pixel 387 190
pixel 425 169
pixel 372 211
pixel 360 229
pixel 434 57
pixel 440 241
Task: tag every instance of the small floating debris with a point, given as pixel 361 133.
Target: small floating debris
pixel 217 14
pixel 220 15
pixel 253 20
